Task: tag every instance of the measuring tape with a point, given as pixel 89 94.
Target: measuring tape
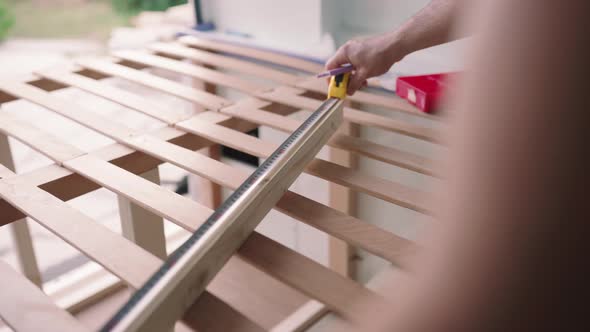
pixel 181 265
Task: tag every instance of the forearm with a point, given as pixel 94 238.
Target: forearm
pixel 373 56
pixel 433 25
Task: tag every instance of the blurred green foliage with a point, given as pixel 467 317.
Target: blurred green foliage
pixel 6 19
pixel 134 6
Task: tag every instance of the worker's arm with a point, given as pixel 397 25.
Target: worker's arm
pixel 509 253
pixel 373 56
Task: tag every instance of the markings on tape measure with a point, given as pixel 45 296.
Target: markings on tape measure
pixel 214 217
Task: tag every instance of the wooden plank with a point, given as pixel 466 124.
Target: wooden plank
pixel 222 171
pixel 196 163
pixel 5 172
pixel 25 308
pixel 250 110
pixel 21 235
pixel 66 185
pixel 228 137
pixel 350 229
pixel 342 198
pixel 165 203
pixel 391 102
pixel 116 254
pixel 364 235
pixel 67 108
pixel 381 188
pixel 254 293
pixel 231 177
pixel 386 190
pixel 385 154
pixel 25 252
pixel 258 54
pixel 163 303
pixel 141 226
pixel 289 96
pixel 107 67
pixel 212 321
pixel 315 214
pixel 117 95
pixel 37 139
pixel 303 318
pixel 192 70
pixel 202 190
pixel 226 62
pixel 340 294
pixel 97 242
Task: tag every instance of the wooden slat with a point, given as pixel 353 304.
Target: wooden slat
pixel 342 198
pixel 254 293
pixel 164 303
pixel 192 70
pixel 67 109
pixel 385 154
pixel 362 234
pixel 258 54
pixel 141 226
pixel 289 96
pixel 25 252
pixel 350 229
pixel 116 254
pixel 5 172
pixel 66 185
pixel 222 61
pixel 339 293
pixel 202 98
pixel 390 102
pixel 150 196
pixel 141 188
pixel 200 189
pixel 377 187
pixel 19 230
pixel 205 315
pixel 386 190
pixel 228 137
pixel 37 139
pixel 302 318
pixel 191 161
pixel 25 308
pixel 148 107
pixel 249 110
pixel 80 231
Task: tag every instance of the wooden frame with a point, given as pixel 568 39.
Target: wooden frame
pixel 296 290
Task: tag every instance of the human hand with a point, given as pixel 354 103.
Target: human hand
pixel 370 56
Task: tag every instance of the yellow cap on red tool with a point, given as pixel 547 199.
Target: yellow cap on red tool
pixel 338 86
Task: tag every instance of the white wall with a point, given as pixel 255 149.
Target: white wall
pixel 346 19
pixel 290 24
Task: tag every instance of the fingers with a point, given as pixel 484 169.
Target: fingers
pixel 357 80
pixel 340 58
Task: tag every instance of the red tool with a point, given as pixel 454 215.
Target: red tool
pixel 424 91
